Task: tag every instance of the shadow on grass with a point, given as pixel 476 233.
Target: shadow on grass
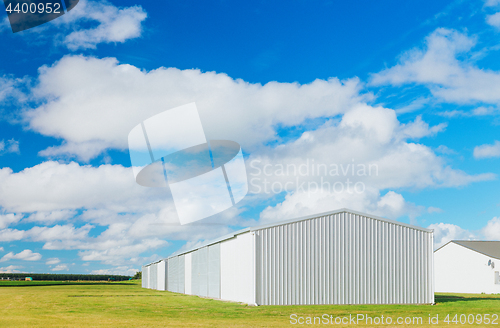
pixel 455 298
pixel 55 283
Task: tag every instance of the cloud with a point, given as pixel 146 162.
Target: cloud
pixel 14 92
pixel 414 105
pixel 491 3
pixel 87 113
pixel 136 219
pixel 440 66
pixel 454 113
pixel 444 232
pixel 51 216
pixel 493 20
pixel 369 145
pixel 115 255
pixel 26 255
pixel 492 229
pixel 11 146
pixel 487 151
pixel 1 249
pixel 478 111
pixel 419 129
pixel 297 204
pixel 6 87
pixel 7 235
pixel 8 219
pixel 11 269
pixel 442 149
pixel 60 267
pixel 53 260
pixel 110 24
pixel 58 232
pixel 52 186
pixel 88 24
pixel 46 234
pixel 5 24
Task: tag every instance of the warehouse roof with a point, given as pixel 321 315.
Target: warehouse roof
pixel 488 248
pixel 309 217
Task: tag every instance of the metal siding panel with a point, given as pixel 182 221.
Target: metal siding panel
pixel 148 285
pixel 214 271
pixel 343 259
pixel 277 264
pixel 203 271
pixel 173 264
pixel 279 279
pixel 287 267
pixel 181 274
pixel 263 277
pixel 188 272
pixel 143 277
pixel 195 280
pixel 336 251
pixel 153 276
pixel 258 267
pixel 309 278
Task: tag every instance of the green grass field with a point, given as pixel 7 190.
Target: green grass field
pixel 126 304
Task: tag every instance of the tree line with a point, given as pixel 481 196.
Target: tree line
pixel 64 277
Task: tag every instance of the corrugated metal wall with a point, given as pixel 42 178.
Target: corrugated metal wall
pixel 205 274
pixel 173 274
pixel 188 271
pixel 144 277
pixel 200 272
pixel 176 274
pixel 181 274
pixel 153 277
pixel 343 258
pixel 214 271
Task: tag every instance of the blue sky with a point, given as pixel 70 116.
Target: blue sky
pixel 410 87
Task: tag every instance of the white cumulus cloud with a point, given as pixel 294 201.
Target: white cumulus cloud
pixel 302 203
pixel 487 151
pixel 9 219
pixel 494 20
pixel 445 232
pixel 52 261
pixel 438 67
pixel 52 186
pixel 60 267
pixel 492 229
pixel 110 24
pixel 88 112
pixel 26 255
pixel 92 22
pixel 11 269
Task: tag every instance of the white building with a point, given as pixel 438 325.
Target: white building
pixel 468 267
pixel 339 257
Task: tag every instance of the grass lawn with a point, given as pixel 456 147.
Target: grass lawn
pixel 126 304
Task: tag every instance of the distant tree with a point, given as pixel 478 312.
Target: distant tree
pixel 64 276
pixel 138 275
